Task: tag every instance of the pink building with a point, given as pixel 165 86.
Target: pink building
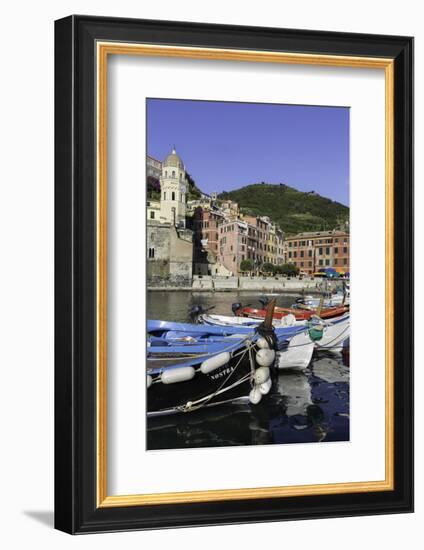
pixel 251 238
pixel 206 222
pixel 233 244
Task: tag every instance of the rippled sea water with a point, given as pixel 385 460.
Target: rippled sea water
pixel 302 407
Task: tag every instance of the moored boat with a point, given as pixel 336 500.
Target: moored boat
pixel 237 321
pixel 188 368
pixel 299 314
pixel 335 331
pixel 297 354
pixel 334 336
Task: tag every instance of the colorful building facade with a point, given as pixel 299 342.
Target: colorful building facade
pixel 206 223
pixel 312 251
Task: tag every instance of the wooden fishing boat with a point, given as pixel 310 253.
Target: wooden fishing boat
pixel 189 368
pixel 237 321
pixel 335 331
pixel 335 334
pixel 311 302
pixel 299 313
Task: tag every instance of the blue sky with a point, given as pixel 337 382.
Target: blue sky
pixel 226 145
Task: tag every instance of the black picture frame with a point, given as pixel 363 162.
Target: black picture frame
pixel 76 508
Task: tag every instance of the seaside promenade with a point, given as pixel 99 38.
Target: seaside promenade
pixel 265 284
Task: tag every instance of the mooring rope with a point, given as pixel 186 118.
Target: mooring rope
pixel 204 400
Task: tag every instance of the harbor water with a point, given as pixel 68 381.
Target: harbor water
pixel 303 406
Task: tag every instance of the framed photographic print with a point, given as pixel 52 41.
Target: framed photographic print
pixel 234 274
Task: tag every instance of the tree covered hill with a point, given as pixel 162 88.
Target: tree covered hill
pixel 294 211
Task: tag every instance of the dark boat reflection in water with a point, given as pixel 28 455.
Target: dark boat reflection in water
pixel 303 406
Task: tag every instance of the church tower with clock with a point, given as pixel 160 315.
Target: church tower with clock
pixel 173 185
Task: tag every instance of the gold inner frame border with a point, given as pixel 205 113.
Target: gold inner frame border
pixel 103 50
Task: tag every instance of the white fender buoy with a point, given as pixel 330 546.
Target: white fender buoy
pixel 215 362
pixel 288 320
pixel 261 375
pixel 149 380
pixel 265 387
pixel 262 343
pixel 265 357
pixel 255 396
pixel 181 374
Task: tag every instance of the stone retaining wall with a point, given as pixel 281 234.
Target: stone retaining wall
pixel 248 284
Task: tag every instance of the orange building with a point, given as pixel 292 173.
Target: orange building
pixel 312 251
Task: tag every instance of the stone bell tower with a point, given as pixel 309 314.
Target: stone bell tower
pixel 173 191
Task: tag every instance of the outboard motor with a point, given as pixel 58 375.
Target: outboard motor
pixel 236 307
pixel 196 311
pixel 264 300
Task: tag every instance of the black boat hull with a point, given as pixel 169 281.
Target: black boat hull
pixel 229 382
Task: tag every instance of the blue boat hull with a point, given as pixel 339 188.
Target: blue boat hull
pixel 176 346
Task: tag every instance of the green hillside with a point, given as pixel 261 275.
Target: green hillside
pixel 193 191
pixel 294 211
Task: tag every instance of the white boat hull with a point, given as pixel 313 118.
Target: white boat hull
pixel 298 354
pixel 334 335
pixel 228 320
pixel 335 300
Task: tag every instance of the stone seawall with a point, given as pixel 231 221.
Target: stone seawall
pixel 170 283
pixel 276 285
pixel 241 284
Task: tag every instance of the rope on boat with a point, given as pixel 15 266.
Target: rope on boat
pixel 157 379
pixel 199 403
pixel 252 368
pixel 233 355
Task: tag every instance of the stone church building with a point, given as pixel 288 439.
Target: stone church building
pixel 169 242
